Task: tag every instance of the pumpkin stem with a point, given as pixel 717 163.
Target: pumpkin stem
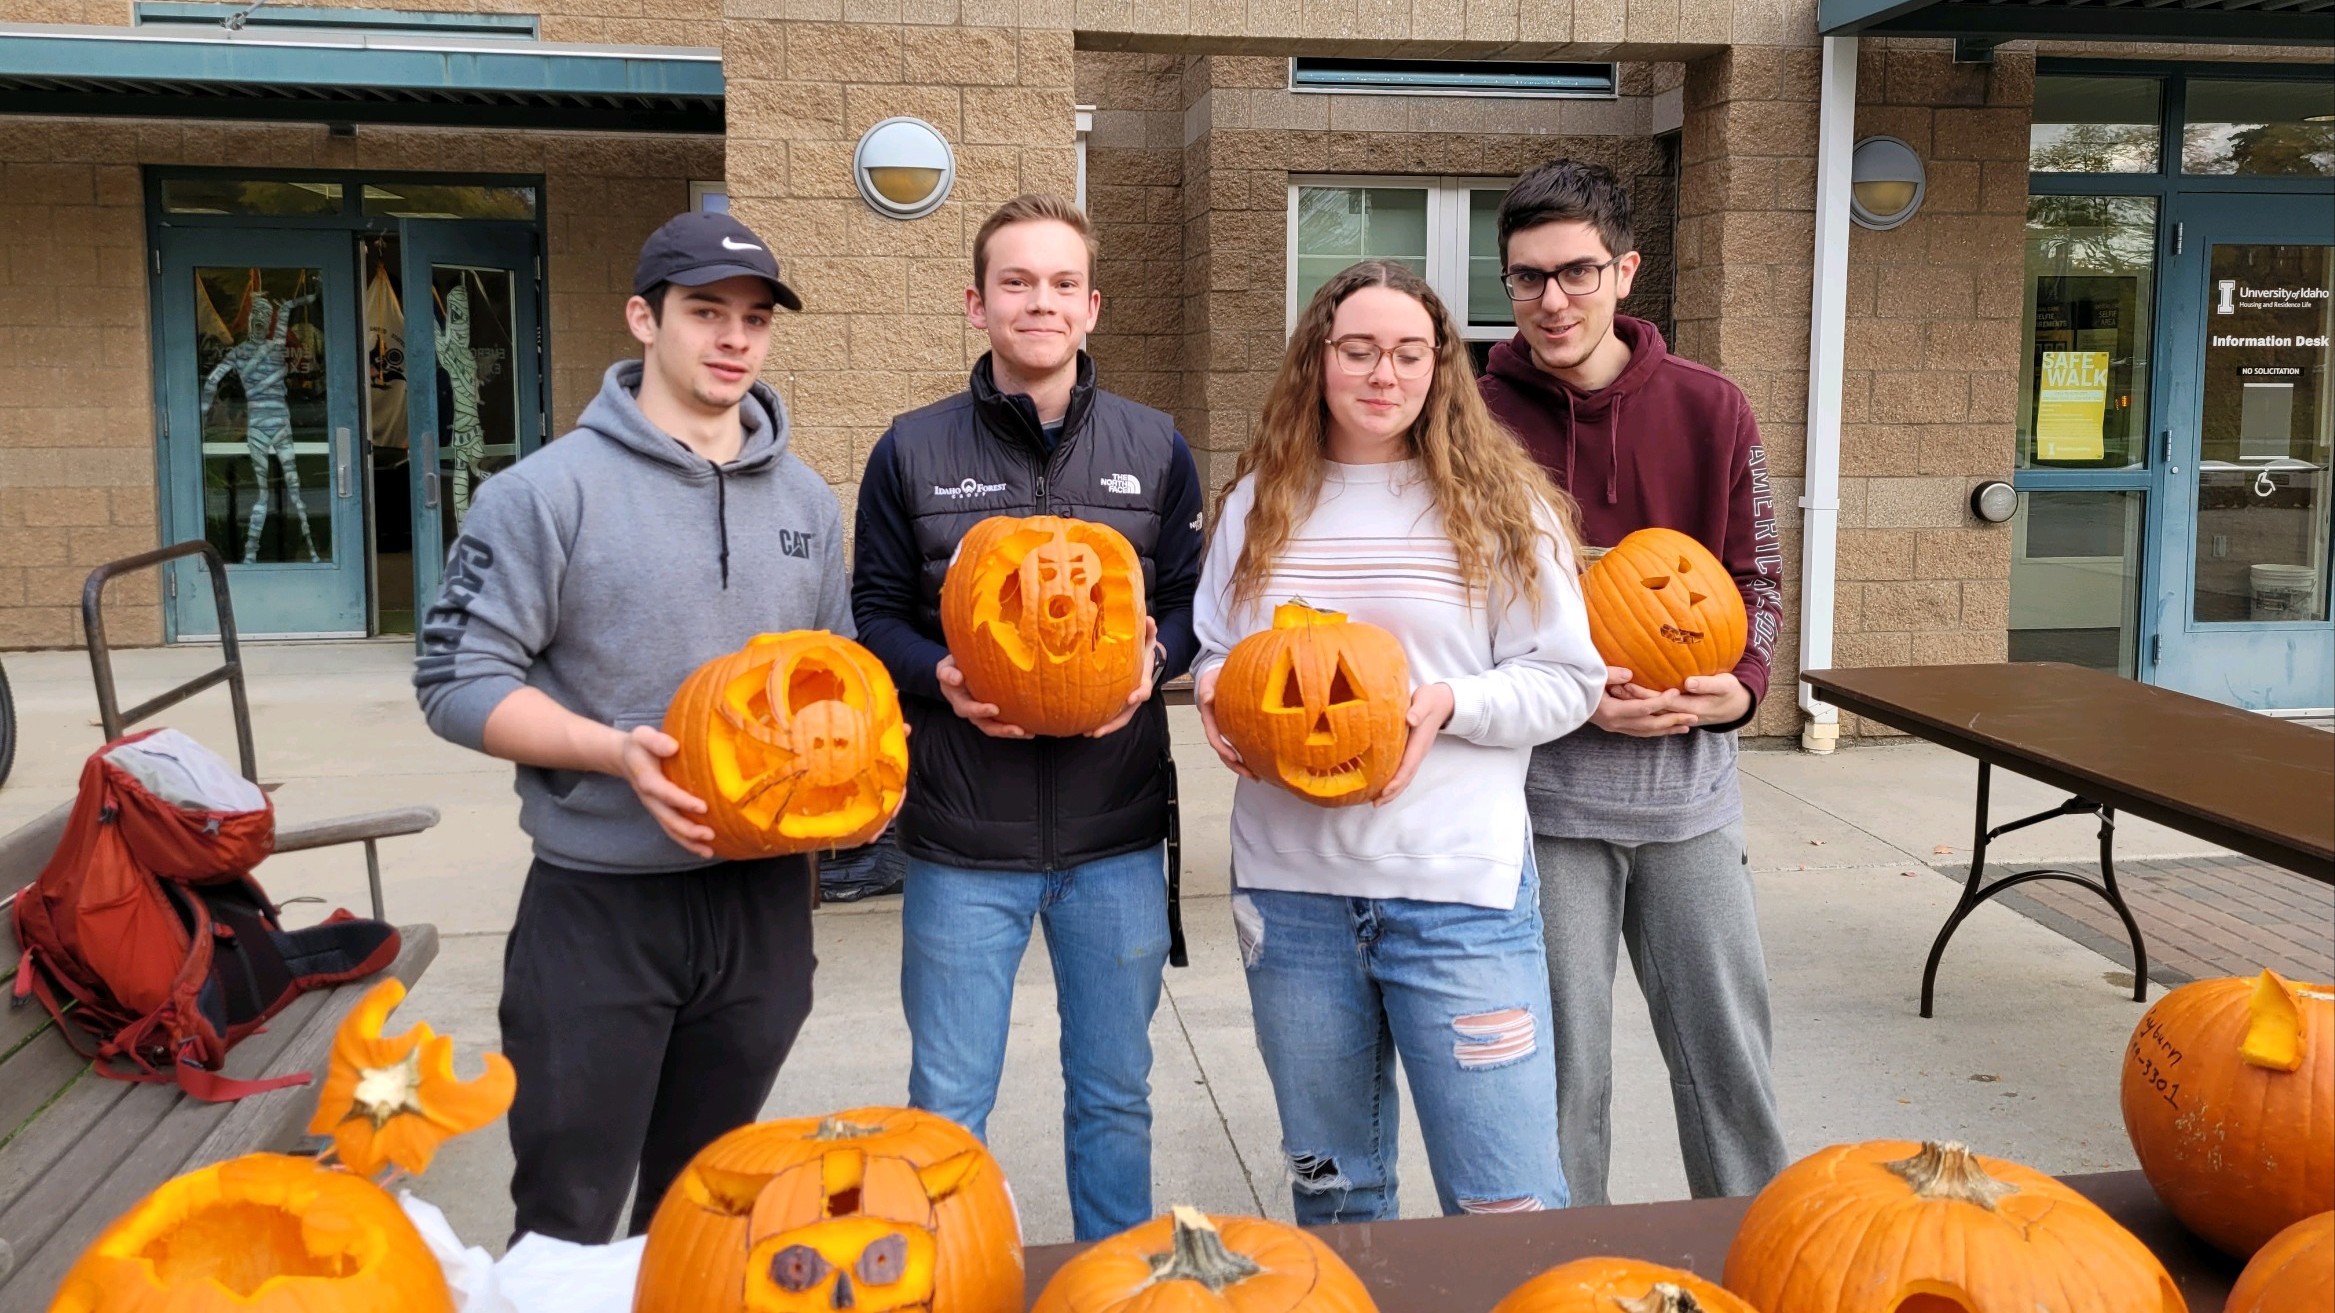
pixel 835 1128
pixel 1661 1297
pixel 1199 1255
pixel 1295 614
pixel 1948 1170
pixel 2274 1029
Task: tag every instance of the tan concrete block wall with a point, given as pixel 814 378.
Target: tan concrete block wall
pixel 614 22
pixel 1134 194
pixel 77 461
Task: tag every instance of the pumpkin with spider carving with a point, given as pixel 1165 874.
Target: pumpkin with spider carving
pixel 1664 609
pixel 1044 616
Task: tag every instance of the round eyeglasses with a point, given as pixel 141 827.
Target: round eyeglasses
pixel 1359 355
pixel 1525 283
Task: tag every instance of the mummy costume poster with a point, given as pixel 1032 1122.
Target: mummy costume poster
pixel 258 363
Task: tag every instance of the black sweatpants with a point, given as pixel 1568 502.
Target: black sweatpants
pixel 646 1016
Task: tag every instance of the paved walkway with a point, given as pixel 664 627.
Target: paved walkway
pixel 2021 1060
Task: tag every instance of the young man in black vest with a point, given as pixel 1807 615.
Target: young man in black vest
pixel 1003 827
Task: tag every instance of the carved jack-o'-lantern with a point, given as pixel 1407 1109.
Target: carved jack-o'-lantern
pixel 1317 704
pixel 794 742
pixel 1045 617
pixel 1664 609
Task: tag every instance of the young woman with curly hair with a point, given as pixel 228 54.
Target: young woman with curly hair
pixel 1378 485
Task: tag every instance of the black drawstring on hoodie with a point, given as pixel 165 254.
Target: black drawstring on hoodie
pixel 721 515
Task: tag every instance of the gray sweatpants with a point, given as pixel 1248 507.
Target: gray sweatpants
pixel 1685 909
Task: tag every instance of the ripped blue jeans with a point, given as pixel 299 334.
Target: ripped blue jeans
pixel 1340 986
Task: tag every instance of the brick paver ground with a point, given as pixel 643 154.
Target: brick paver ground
pixel 2200 917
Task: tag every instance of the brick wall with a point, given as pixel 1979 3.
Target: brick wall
pixel 1134 194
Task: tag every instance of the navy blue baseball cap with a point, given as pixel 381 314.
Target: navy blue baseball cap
pixel 699 248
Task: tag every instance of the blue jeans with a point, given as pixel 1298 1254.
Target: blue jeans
pixel 1340 986
pixel 963 936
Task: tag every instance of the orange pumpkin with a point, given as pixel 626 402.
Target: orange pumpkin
pixel 2229 1097
pixel 2295 1271
pixel 1619 1285
pixel 1317 704
pixel 794 742
pixel 1045 618
pixel 1188 1262
pixel 259 1234
pixel 1895 1227
pixel 1664 609
pixel 394 1099
pixel 904 1209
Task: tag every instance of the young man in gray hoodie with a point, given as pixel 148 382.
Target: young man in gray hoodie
pixel 650 992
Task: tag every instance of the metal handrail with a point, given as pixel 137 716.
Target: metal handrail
pixel 230 671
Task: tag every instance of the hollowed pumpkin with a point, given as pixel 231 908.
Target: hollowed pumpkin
pixel 901 1209
pixel 794 742
pixel 2229 1097
pixel 1045 618
pixel 2294 1272
pixel 259 1234
pixel 1619 1285
pixel 1188 1262
pixel 1895 1227
pixel 1317 704
pixel 1664 609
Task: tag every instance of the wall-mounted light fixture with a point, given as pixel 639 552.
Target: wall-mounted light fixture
pixel 1886 182
pixel 905 168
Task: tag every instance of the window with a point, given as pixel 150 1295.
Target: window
pixel 2091 298
pixel 1450 77
pixel 1446 228
pixel 2259 126
pixel 2094 124
pixel 709 198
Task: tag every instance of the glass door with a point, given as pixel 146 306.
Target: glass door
pixel 2242 604
pixel 473 373
pixel 260 412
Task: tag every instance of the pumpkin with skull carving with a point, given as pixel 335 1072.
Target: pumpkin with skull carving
pixel 794 742
pixel 1664 609
pixel 1044 616
pixel 1317 704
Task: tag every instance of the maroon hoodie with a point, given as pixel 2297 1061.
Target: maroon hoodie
pixel 1668 444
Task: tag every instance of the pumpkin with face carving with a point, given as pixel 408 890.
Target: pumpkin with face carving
pixel 1664 609
pixel 794 742
pixel 1045 618
pixel 1317 705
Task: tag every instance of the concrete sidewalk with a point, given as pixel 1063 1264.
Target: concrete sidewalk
pixel 2021 1060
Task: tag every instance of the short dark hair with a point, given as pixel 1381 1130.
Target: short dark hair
pixel 1569 191
pixel 655 296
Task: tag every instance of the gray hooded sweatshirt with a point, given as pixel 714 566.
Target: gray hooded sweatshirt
pixel 603 569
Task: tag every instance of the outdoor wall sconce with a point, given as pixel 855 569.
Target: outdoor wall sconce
pixel 905 168
pixel 1885 183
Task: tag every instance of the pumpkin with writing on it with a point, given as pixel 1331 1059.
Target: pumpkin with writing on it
pixel 794 743
pixel 1189 1262
pixel 1896 1227
pixel 1619 1285
pixel 1044 616
pixel 893 1208
pixel 263 1233
pixel 2229 1097
pixel 2296 1270
pixel 1318 704
pixel 1664 609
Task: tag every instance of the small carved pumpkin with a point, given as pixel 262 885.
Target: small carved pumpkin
pixel 1045 618
pixel 794 742
pixel 1895 1227
pixel 2295 1271
pixel 1317 704
pixel 259 1234
pixel 1619 1285
pixel 1188 1262
pixel 2229 1097
pixel 896 1209
pixel 1664 609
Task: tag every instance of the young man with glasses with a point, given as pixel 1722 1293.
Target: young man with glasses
pixel 1636 816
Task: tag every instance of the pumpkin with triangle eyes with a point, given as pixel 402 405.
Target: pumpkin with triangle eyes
pixel 1318 704
pixel 1045 618
pixel 1664 609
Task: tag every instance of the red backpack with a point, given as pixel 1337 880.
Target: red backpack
pixel 146 936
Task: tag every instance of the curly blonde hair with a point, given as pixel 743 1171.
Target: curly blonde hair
pixel 1495 500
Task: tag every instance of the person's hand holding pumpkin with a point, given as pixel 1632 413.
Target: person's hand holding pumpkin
pixel 982 714
pixel 1204 698
pixel 1628 708
pixel 1714 699
pixel 1141 693
pixel 1431 707
pixel 640 755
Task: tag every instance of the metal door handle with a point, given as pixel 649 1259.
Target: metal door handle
pixel 429 487
pixel 340 462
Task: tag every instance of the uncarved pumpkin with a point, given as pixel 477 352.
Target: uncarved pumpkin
pixel 2294 1272
pixel 794 742
pixel 259 1234
pixel 2229 1097
pixel 1619 1285
pixel 1188 1262
pixel 1045 618
pixel 1664 609
pixel 771 1217
pixel 1896 1227
pixel 1317 704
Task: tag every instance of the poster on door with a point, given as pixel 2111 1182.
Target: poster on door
pixel 2073 406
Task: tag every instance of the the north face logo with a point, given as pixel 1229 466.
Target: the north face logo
pixel 968 488
pixel 1126 485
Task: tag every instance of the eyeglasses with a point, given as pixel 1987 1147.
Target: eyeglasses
pixel 1525 283
pixel 1359 355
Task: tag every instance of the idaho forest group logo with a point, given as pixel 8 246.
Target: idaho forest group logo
pixel 968 488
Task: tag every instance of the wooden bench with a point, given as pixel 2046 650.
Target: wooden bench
pixel 77 1149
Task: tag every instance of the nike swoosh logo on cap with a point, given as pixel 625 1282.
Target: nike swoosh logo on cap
pixel 729 245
